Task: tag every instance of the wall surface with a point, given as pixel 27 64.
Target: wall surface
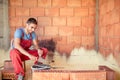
pixel 69 22
pixel 72 24
pixel 4 28
pixel 109 28
pixel 1 23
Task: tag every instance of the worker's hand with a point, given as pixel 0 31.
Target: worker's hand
pixel 33 58
pixel 40 52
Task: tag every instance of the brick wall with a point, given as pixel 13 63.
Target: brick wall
pixel 109 27
pixel 70 22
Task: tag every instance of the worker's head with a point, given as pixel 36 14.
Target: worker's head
pixel 31 24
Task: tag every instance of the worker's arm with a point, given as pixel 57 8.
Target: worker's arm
pixel 23 51
pixel 35 43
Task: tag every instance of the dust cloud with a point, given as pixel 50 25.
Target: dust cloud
pixel 83 59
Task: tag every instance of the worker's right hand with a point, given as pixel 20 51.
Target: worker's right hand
pixel 33 58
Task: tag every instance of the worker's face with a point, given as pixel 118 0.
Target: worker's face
pixel 31 27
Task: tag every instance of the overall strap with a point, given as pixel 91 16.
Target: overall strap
pixel 31 36
pixel 24 34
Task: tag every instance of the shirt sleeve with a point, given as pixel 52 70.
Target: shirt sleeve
pixel 33 36
pixel 18 33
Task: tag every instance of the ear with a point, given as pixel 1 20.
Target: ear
pixel 27 24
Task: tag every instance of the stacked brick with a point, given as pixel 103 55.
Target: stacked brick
pixel 103 73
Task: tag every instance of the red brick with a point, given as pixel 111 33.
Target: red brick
pixel 83 75
pixel 24 20
pixel 114 17
pixel 22 12
pixel 88 76
pixel 11 12
pixel 78 31
pixel 92 3
pixel 91 31
pixel 59 76
pixel 102 32
pixel 111 45
pixel 52 12
pixel 15 3
pixel 85 3
pixel 105 43
pixel 74 39
pixel 55 76
pixel 59 3
pixel 44 21
pixel 92 11
pixel 57 38
pixel 117 57
pixel 100 21
pixel 81 12
pixel 60 21
pixel 100 42
pixel 65 76
pixel 88 42
pixel 108 43
pixel 110 5
pixel 110 31
pixel 51 31
pixel 29 3
pixel 74 3
pixel 42 76
pixel 12 31
pixel 107 7
pixel 100 25
pixel 84 31
pixel 101 50
pixel 66 48
pixel 101 2
pixel 65 31
pixel 43 37
pixel 62 40
pixel 88 3
pixel 90 22
pixel 44 3
pixel 66 11
pixel 115 46
pixel 37 12
pixel 40 31
pixel 117 4
pixel 15 21
pixel 78 46
pixel 117 30
pixel 103 8
pixel 74 21
pixel 104 20
pixel 107 52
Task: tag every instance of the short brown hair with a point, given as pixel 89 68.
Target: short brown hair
pixel 32 20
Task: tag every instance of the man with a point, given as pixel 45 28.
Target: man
pixel 23 39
